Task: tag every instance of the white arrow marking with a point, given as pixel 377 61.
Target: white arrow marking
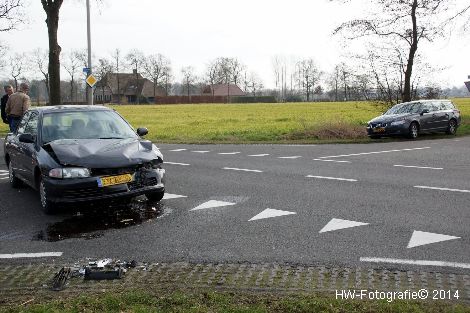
pixel 337 223
pixel 421 238
pixel 172 196
pixel 268 213
pixel 212 204
pixel 259 155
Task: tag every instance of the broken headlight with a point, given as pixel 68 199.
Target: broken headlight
pixel 69 172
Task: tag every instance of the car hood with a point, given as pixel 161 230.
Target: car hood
pixel 388 118
pixel 104 153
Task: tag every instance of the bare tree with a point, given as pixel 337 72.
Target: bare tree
pixel 40 60
pixel 406 23
pixel 308 76
pixel 116 56
pixel 18 67
pixel 189 78
pixel 156 68
pixel 253 83
pixel 72 63
pixel 11 14
pixel 103 68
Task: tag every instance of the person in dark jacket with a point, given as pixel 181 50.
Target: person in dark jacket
pixel 8 92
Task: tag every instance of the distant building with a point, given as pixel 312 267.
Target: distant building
pixel 133 88
pixel 223 90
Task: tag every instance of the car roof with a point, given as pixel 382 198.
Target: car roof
pixel 70 108
pixel 427 101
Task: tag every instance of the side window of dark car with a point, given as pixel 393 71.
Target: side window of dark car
pixel 32 125
pixel 434 106
pixel 426 106
pixel 22 124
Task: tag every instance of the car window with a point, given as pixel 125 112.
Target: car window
pixel 426 106
pixel 22 124
pixel 435 106
pixel 448 106
pixel 32 124
pixel 404 108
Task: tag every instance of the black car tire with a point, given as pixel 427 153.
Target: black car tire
pixel 413 130
pixel 452 127
pixel 15 182
pixel 155 196
pixel 47 206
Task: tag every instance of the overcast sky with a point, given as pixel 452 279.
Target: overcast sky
pixel 195 32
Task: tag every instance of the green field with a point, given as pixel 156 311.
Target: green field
pixel 318 122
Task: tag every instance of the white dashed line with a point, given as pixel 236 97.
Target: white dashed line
pixel 335 161
pixel 174 163
pixel 290 157
pixel 374 152
pixel 241 169
pixel 178 150
pixel 332 178
pixel 3 171
pixel 228 153
pixel 259 155
pixel 442 189
pixel 30 255
pixel 421 167
pixel 3 174
pixel 416 262
pixel 201 151
pixel 4 178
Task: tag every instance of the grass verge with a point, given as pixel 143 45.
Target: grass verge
pixel 177 301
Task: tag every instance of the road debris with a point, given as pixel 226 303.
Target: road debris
pixel 60 279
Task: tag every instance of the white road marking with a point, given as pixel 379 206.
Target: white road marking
pixel 336 224
pixel 415 262
pixel 172 196
pixel 268 213
pixel 241 169
pixel 228 153
pixel 374 152
pixel 442 189
pixel 174 163
pixel 178 150
pixel 4 178
pixel 421 238
pixel 421 167
pixel 335 161
pixel 212 204
pixel 201 151
pixel 3 174
pixel 290 157
pixel 259 155
pixel 332 178
pixel 3 171
pixel 30 255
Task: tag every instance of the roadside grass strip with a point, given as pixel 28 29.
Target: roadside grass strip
pixel 175 163
pixel 374 152
pixel 420 167
pixel 332 178
pixel 30 255
pixel 415 262
pixel 442 189
pixel 241 169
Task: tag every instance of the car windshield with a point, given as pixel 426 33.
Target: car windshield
pixel 404 108
pixel 85 125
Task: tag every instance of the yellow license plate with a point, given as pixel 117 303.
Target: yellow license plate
pixel 114 180
pixel 379 130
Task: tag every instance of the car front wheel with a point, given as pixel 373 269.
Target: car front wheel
pixel 155 196
pixel 15 182
pixel 452 128
pixel 413 130
pixel 47 206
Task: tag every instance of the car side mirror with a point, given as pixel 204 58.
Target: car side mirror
pixel 142 131
pixel 424 111
pixel 26 138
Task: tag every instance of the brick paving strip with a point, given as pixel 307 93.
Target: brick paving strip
pixel 24 279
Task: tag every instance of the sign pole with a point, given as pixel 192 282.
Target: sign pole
pixel 90 89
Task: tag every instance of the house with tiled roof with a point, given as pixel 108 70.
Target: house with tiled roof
pixel 223 90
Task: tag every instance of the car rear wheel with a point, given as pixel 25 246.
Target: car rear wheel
pixel 47 206
pixel 413 130
pixel 155 196
pixel 15 182
pixel 452 127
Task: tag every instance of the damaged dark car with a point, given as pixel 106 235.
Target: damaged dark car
pixel 74 154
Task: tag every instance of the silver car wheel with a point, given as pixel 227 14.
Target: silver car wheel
pixel 414 131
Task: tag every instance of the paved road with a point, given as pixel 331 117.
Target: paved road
pixel 381 204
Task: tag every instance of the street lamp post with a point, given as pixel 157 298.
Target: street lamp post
pixel 90 89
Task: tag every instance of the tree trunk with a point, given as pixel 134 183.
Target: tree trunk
pixel 406 96
pixel 52 7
